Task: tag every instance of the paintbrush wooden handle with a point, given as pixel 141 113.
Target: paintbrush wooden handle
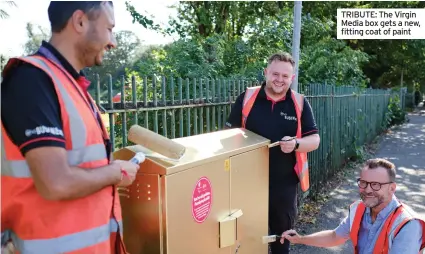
pixel 277 142
pixel 274 144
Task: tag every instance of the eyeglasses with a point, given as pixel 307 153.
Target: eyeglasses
pixel 374 185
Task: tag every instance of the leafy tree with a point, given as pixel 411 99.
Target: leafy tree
pixel 387 57
pixel 3 61
pixel 35 36
pixel 233 39
pixel 231 19
pixel 117 59
pixel 3 12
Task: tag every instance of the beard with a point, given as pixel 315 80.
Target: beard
pixel 90 54
pixel 371 200
pixel 91 50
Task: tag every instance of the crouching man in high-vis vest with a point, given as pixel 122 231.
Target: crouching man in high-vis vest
pixel 379 223
pixel 58 182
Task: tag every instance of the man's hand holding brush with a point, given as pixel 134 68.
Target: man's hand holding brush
pixel 287 144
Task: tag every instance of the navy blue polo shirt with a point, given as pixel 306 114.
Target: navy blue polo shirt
pixel 275 120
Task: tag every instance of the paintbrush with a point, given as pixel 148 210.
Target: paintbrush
pixel 272 238
pixel 277 142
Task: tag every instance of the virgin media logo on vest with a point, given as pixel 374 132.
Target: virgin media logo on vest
pixel 289 118
pixel 43 130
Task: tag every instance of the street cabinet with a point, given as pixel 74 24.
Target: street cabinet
pixel 214 200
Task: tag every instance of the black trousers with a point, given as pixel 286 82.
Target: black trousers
pixel 282 214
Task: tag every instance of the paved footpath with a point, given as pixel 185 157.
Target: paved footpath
pixel 405 147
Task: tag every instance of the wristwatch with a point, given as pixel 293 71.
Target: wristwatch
pixel 296 144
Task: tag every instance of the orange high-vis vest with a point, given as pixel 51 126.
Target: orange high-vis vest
pixel 399 217
pixel 92 224
pixel 301 165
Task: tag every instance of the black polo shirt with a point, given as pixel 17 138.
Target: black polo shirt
pixel 275 120
pixel 30 106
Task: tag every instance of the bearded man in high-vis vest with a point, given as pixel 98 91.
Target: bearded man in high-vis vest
pixel 378 223
pixel 58 182
pixel 275 111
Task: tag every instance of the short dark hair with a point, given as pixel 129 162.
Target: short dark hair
pixel 283 57
pixel 61 11
pixel 378 162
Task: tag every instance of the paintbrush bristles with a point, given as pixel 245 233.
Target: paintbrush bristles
pixel 270 238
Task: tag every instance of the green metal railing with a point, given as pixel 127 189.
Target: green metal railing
pixel 347 117
pixel 171 107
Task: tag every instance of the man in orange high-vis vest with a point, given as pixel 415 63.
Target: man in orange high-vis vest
pixel 378 223
pixel 58 182
pixel 273 110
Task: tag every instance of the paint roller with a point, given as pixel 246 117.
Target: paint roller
pixel 155 142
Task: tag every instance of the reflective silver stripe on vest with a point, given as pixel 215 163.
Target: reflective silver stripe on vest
pixel 248 94
pixel 75 157
pixel 5 164
pixel 67 243
pixel 76 123
pixel 304 169
pixel 397 221
pixel 408 213
pixel 79 153
pixel 5 237
pixel 352 212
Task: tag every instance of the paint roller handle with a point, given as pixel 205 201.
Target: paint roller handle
pixel 138 158
pixel 126 178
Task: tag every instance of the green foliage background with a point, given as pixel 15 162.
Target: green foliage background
pixel 234 39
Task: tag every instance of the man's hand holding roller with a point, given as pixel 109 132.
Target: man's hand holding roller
pixel 128 172
pixel 72 182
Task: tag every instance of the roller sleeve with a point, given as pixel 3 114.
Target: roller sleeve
pixel 155 142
